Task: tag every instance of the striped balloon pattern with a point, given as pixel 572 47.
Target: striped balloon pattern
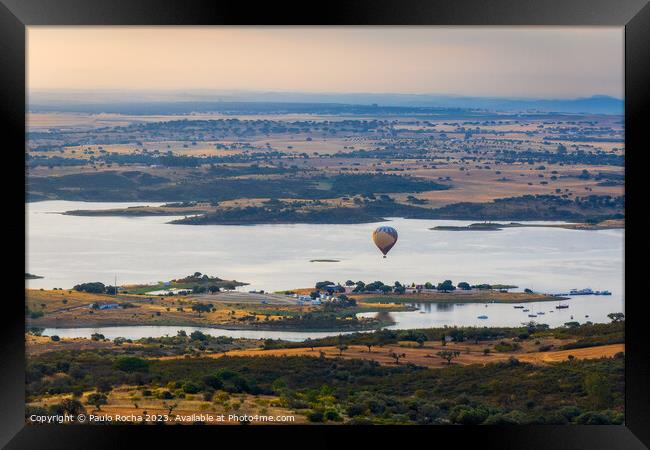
pixel 384 238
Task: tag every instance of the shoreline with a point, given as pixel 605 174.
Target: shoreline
pixel 498 226
pixel 460 298
pixel 509 209
pixel 613 224
pixel 609 224
pixel 225 328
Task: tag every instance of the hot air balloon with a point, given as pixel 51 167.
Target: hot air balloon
pixel 384 238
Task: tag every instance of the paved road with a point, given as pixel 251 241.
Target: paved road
pixel 246 297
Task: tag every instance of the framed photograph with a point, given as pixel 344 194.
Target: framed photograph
pixel 286 227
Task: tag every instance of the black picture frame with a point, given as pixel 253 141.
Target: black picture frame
pixel 15 15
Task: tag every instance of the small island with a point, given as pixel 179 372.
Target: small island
pixel 364 209
pixel 496 226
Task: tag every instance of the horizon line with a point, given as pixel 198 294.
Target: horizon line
pixel 215 91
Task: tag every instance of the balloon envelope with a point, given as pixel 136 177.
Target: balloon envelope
pixel 384 238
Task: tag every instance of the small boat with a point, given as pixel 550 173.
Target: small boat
pixel 482 317
pixel 532 315
pixel 551 311
pixel 541 313
pixel 562 306
pixel 525 310
pixel 518 306
pixel 587 315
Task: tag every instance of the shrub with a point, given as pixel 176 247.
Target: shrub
pixel 466 415
pixel 165 395
pixel 355 410
pixel 593 418
pixel 507 347
pixel 570 412
pixel 132 364
pixel 500 419
pixel 333 416
pixel 316 416
pixel 191 388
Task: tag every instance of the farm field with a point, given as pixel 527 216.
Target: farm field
pixel 426 356
pixel 430 162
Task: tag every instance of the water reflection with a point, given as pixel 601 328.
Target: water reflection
pixel 581 309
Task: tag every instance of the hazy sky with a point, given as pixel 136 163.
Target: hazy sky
pixel 555 62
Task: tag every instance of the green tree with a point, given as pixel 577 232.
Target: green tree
pixel 213 381
pixel 202 307
pixel 397 356
pixel 198 336
pixel 97 400
pixel 67 406
pixel 446 286
pixel 616 317
pixel 322 284
pixel 448 355
pixel 93 288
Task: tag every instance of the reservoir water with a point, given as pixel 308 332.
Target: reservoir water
pixel 67 250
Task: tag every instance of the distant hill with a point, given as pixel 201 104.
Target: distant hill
pixel 157 102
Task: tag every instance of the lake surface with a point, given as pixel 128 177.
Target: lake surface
pixel 434 315
pixel 67 250
pixel 143 331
